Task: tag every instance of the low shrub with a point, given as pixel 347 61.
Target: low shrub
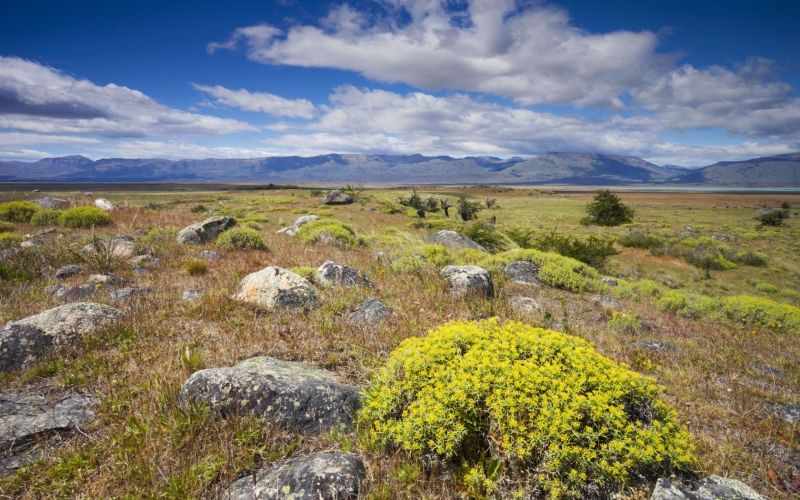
pixel 487 235
pixel 7 227
pixel 329 231
pixel 554 269
pixel 196 267
pixel 639 238
pixel 770 216
pixel 84 217
pixel 593 250
pixel 17 211
pixel 761 311
pixel 9 240
pixel 46 217
pixel 198 209
pixel 429 255
pixel 766 287
pixel 241 238
pixel 306 272
pixel 624 322
pixel 537 404
pixel 752 258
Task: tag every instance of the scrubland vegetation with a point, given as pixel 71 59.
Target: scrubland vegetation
pixel 661 340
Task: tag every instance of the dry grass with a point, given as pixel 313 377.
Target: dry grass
pixel 143 444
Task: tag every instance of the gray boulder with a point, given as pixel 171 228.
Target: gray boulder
pixel 105 279
pixel 710 488
pixel 68 271
pixel 523 305
pixel 337 197
pixel 609 281
pixel 30 339
pixel 332 274
pixel 210 255
pixel 277 288
pixel 130 292
pixel 191 295
pixel 121 247
pixel 22 417
pixel 48 202
pixel 469 280
pixel 207 230
pixel 652 345
pixel 522 272
pixel 452 239
pixel 369 313
pixel 319 476
pixel 289 394
pixel 789 413
pixel 305 219
pixel 74 293
pixel 104 204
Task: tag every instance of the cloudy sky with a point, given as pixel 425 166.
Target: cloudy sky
pixel 675 82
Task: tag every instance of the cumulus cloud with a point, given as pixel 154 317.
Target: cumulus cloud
pixel 37 98
pixel 261 102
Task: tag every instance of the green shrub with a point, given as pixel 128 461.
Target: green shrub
pixel 46 217
pixel 639 238
pixel 770 216
pixel 554 270
pixel 766 287
pixel 545 405
pixel 196 267
pixel 306 272
pixel 17 211
pixel 761 311
pixel 593 250
pixel 328 231
pixel 607 210
pixel 198 209
pixel 752 258
pixel 9 240
pixel 429 255
pixel 486 234
pixel 7 227
pixel 84 217
pixel 241 238
pixel 624 322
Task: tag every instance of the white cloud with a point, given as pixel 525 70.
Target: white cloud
pixel 37 98
pixel 261 102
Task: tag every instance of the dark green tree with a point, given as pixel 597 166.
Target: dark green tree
pixel 468 210
pixel 607 210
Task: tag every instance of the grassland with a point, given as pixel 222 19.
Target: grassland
pixel 719 373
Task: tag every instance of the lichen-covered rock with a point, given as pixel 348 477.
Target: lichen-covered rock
pixel 332 274
pixel 130 292
pixel 337 197
pixel 468 280
pixel 609 281
pixel 104 204
pixel 319 476
pixel 207 230
pixel 789 413
pixel 652 345
pixel 305 219
pixel 22 416
pixel 67 271
pixel 522 272
pixel 145 261
pixel 30 339
pixel 75 293
pixel 104 279
pixel 277 288
pixel 522 304
pixel 292 395
pixel 121 247
pixel 369 313
pixel 191 295
pixel 452 239
pixel 210 255
pixel 48 202
pixel 710 488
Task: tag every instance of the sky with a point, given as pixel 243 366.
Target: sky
pixel 674 82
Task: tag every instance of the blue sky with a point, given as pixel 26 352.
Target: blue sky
pixel 675 82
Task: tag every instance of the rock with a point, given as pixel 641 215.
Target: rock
pixel 369 313
pixel 22 417
pixel 21 459
pixel 31 242
pixel 331 274
pixel 789 413
pixel 30 339
pixel 608 281
pixel 121 247
pixel 277 288
pixel 469 280
pixel 74 293
pixel 337 197
pixel 105 279
pixel 144 261
pixel 607 301
pixel 651 345
pixel 710 488
pixel 292 395
pixel 291 230
pixel 522 272
pixel 67 271
pixel 767 370
pixel 48 202
pixel 452 239
pixel 318 476
pixel 206 230
pixel 104 204
pixel 192 295
pixel 210 255
pixel 524 305
pixel 130 292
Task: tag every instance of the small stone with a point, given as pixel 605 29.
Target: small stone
pixel 369 313
pixel 319 476
pixel 104 279
pixel 192 295
pixel 130 292
pixel 31 242
pixel 608 281
pixel 522 272
pixel 467 280
pixel 331 274
pixel 207 230
pixel 48 202
pixel 789 413
pixel 210 255
pixel 74 293
pixel 524 305
pixel 68 271
pixel 452 239
pixel 767 370
pixel 651 345
pixel 104 204
pixel 305 219
pixel 337 197
pixel 145 261
pixel 710 488
pixel 120 247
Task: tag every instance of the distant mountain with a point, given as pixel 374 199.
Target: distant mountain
pixel 778 170
pixel 548 168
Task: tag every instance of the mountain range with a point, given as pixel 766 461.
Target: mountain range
pixel 548 168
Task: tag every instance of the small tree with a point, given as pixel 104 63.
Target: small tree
pixel 445 203
pixel 607 210
pixel 468 210
pixel 491 202
pixel 431 205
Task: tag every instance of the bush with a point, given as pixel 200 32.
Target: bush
pixel 198 209
pixel 428 255
pixel 770 216
pixel 543 404
pixel 486 234
pixel 7 227
pixel 554 270
pixel 593 250
pixel 607 210
pixel 84 217
pixel 752 258
pixel 17 211
pixel 9 240
pixel 46 217
pixel 329 231
pixel 766 287
pixel 196 268
pixel 468 210
pixel 241 238
pixel 639 238
pixel 624 322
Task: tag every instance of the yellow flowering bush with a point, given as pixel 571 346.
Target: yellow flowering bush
pixel 554 269
pixel 545 405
